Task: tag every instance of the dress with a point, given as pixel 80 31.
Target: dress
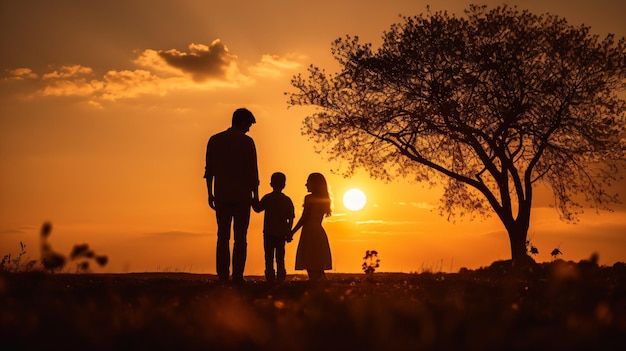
pixel 313 249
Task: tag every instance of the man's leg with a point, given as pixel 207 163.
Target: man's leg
pixel 240 231
pixel 268 247
pixel 222 253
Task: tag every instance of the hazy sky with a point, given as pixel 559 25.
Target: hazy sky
pixel 106 108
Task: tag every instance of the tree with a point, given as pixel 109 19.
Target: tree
pixel 488 105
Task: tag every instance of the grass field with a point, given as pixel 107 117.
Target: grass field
pixel 559 306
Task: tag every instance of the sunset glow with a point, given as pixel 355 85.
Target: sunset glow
pixel 106 109
pixel 354 199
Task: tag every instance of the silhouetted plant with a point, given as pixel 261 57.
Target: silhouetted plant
pixel 556 252
pixel 16 265
pixel 371 262
pixel 52 261
pixel 3 263
pixel 531 248
pixel 102 260
pixel 81 253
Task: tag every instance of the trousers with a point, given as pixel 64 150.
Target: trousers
pixel 238 215
pixel 274 245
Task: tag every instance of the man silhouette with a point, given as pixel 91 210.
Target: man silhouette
pixel 232 179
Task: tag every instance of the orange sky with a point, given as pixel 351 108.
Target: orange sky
pixel 104 138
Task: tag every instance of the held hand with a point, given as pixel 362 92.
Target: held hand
pixel 256 205
pixel 289 236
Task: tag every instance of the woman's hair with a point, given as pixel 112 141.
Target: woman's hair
pixel 319 189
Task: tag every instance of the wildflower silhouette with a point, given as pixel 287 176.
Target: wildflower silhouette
pixel 81 254
pixel 51 260
pixel 371 262
pixel 555 253
pixel 531 248
pixel 15 265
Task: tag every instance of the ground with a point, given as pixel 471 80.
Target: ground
pixel 556 306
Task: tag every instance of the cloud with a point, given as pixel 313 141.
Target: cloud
pixel 371 221
pixel 380 222
pixel 68 72
pixel 131 84
pixel 336 218
pixel 71 81
pixel 203 62
pixel 21 74
pixel 423 205
pixel 158 72
pixel 152 60
pixel 273 65
pixel 79 81
pixel 393 232
pixel 12 232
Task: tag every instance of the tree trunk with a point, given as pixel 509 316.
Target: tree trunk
pixel 518 232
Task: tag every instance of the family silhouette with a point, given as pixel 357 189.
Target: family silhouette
pixel 232 180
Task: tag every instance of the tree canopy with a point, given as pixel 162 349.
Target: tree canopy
pixel 488 104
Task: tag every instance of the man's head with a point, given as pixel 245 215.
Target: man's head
pixel 243 119
pixel 278 181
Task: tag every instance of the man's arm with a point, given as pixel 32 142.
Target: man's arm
pixel 209 186
pixel 258 205
pixel 255 173
pixel 255 194
pixel 209 175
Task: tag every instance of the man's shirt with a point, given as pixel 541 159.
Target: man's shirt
pixel 232 162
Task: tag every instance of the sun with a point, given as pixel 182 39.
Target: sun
pixel 354 199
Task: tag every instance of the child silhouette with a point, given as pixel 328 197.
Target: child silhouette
pixel 279 215
pixel 313 252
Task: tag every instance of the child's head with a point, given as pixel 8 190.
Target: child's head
pixel 316 183
pixel 278 181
